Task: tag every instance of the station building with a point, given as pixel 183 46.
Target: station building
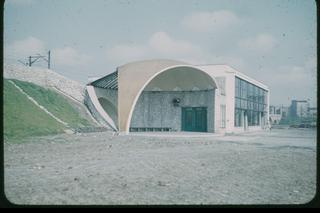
pixel 168 95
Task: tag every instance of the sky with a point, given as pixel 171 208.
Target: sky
pixel 272 41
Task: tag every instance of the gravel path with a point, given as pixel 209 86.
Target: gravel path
pixel 277 167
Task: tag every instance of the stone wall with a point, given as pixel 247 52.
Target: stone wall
pixel 155 109
pixel 45 78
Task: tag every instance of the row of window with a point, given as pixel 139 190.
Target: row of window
pixel 251 92
pixel 253 117
pixel 249 105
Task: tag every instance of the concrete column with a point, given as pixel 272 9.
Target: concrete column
pixel 245 121
pixel 242 119
pixel 260 120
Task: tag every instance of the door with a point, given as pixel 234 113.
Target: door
pixel 194 119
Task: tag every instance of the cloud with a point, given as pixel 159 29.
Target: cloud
pixel 261 43
pixel 216 21
pixel 159 45
pixel 126 52
pixel 24 48
pixel 69 56
pixel 162 43
pixel 288 82
pixel 21 49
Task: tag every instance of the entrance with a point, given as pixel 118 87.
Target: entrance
pixel 194 119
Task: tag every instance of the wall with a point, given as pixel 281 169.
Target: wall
pixel 46 78
pixel 109 94
pixel 155 109
pixel 93 111
pixel 97 110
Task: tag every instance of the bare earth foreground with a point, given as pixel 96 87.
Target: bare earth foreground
pixel 277 167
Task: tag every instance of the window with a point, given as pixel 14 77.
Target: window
pixel 223 116
pixel 250 92
pixel 238 103
pixel 221 81
pixel 249 114
pixel 249 98
pixel 243 89
pixel 237 117
pixel 243 104
pixel 237 92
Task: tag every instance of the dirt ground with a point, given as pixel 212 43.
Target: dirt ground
pixel 277 167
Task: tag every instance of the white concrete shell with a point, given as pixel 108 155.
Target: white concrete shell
pixel 134 77
pixel 131 81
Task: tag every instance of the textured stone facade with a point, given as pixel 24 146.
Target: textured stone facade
pixel 156 109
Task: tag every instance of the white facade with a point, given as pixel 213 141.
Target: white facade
pixel 227 98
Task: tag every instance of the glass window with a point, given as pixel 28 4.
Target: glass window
pixel 250 105
pixel 243 104
pixel 249 113
pixel 237 103
pixel 243 89
pixel 237 92
pixel 237 118
pixel 251 98
pixel 256 94
pixel 255 118
pixel 250 92
pixel 260 95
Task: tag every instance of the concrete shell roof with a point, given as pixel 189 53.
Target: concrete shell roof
pixel 134 77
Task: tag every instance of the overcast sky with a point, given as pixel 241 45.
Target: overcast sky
pixel 273 41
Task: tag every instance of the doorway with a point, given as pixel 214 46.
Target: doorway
pixel 194 119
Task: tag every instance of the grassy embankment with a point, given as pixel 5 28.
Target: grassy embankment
pixel 22 118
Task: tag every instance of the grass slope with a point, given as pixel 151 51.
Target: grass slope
pixel 23 118
pixel 54 103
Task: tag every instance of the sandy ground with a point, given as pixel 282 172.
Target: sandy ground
pixel 277 167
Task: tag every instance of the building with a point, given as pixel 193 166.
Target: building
pixel 312 111
pixel 299 109
pixel 275 114
pixel 278 113
pixel 167 95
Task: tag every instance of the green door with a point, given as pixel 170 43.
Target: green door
pixel 194 119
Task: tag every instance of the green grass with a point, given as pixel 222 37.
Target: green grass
pixel 22 118
pixel 54 103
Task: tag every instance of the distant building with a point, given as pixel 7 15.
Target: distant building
pixel 275 114
pixel 299 109
pixel 312 111
pixel 285 111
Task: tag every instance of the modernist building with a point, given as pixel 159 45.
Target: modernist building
pixel 167 95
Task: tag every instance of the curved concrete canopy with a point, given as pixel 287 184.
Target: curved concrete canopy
pixel 134 77
pixel 180 79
